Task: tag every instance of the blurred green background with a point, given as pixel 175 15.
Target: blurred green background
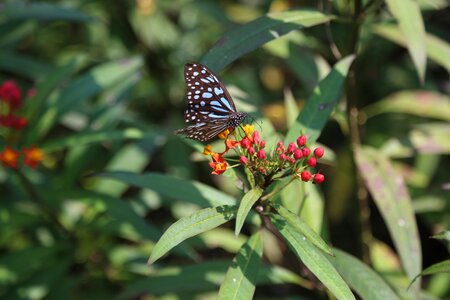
pixel 110 91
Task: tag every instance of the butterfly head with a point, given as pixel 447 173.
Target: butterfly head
pixel 236 119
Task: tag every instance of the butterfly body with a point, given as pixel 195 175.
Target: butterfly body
pixel 210 106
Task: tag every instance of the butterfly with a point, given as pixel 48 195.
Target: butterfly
pixel 210 106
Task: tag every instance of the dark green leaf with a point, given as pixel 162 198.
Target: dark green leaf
pixel 250 36
pixel 313 259
pixel 190 226
pixel 241 277
pixel 388 189
pixel 176 188
pixel 41 11
pixel 245 205
pixel 316 111
pixel 410 22
pixel 303 228
pixel 368 284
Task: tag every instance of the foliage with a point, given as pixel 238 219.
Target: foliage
pixel 100 200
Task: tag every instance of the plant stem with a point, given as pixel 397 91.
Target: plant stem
pixel 277 189
pixel 46 210
pixel 355 139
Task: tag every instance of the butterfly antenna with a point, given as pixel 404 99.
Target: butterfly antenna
pixel 254 120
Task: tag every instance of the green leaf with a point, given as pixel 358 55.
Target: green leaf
pixel 444 235
pixel 190 226
pixel 313 259
pixel 175 188
pixel 368 284
pixel 440 267
pixel 437 49
pixel 390 194
pixel 410 22
pixel 250 36
pixel 425 104
pixel 42 12
pixel 89 137
pixel 290 107
pixel 200 277
pixel 303 228
pixel 23 65
pixel 316 111
pixel 429 138
pixel 242 275
pixel 44 88
pixel 244 207
pixel 80 89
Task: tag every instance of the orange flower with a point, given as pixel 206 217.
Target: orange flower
pixel 224 134
pixel 33 156
pixel 9 158
pixel 231 144
pixel 207 150
pixel 218 164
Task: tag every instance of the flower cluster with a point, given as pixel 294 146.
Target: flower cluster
pixel 267 165
pixel 28 156
pixel 10 102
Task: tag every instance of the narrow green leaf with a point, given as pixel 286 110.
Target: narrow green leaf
pixel 85 86
pixel 200 277
pixel 34 108
pixel 440 267
pixel 389 191
pixel 313 259
pixel 244 207
pixel 429 138
pixel 437 49
pixel 444 235
pixel 368 284
pixel 250 36
pixel 41 11
pixel 316 111
pixel 22 65
pixel 425 104
pixel 410 22
pixel 303 228
pixel 242 275
pixel 190 226
pixel 175 188
pixel 84 138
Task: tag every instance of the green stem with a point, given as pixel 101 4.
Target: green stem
pixel 355 138
pixel 277 189
pixel 46 210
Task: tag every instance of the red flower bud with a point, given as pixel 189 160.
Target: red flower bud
pixel 291 148
pixel 262 144
pixel 305 175
pixel 298 153
pixel 251 150
pixel 318 152
pixel 243 160
pixel 312 162
pixel 261 154
pixel 283 156
pixel 246 143
pixel 306 152
pixel 301 141
pixel 256 138
pixel 319 178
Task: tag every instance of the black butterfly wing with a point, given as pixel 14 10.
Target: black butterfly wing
pixel 203 131
pixel 207 97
